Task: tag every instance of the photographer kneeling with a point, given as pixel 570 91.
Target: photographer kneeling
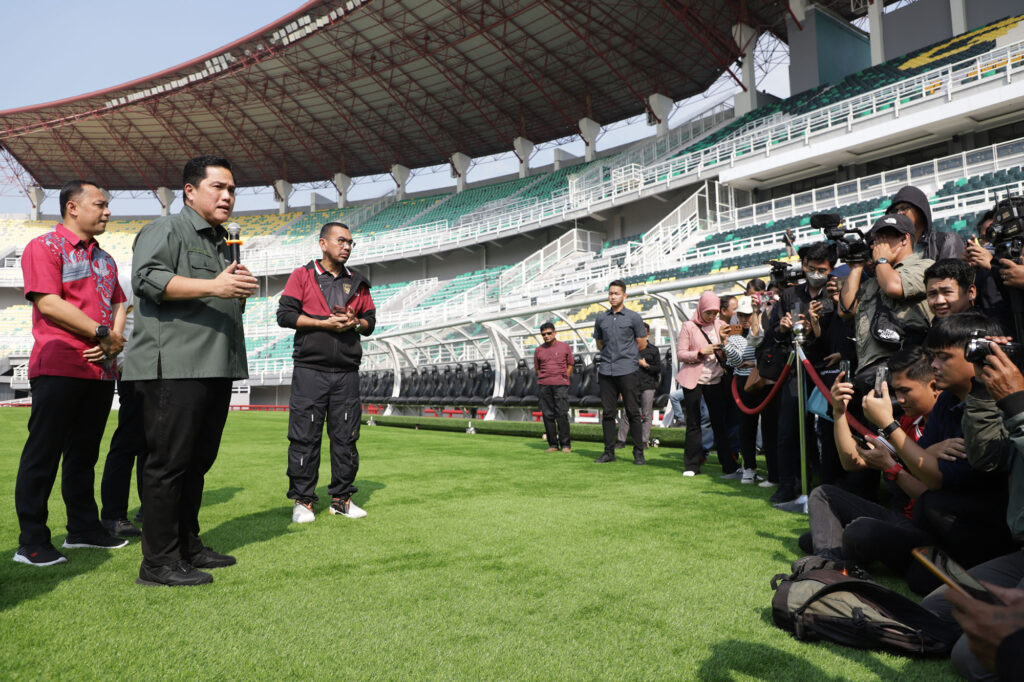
pixel 994 440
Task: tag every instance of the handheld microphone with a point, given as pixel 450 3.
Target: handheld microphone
pixel 234 243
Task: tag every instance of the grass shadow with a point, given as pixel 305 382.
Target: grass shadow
pixel 219 495
pixel 790 543
pixel 25 583
pixel 736 658
pixel 246 530
pixel 366 490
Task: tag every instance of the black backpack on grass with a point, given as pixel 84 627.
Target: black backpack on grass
pixel 818 602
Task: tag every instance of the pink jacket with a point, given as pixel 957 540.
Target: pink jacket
pixel 690 341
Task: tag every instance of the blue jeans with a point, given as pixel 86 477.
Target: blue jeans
pixel 676 399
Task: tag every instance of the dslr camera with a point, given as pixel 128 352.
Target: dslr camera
pixel 978 348
pixel 1006 233
pixel 850 243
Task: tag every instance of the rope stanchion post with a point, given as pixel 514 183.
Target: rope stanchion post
pixel 801 403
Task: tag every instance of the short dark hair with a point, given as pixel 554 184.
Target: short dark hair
pixel 724 301
pixel 71 190
pixel 985 217
pixel 914 362
pixel 195 168
pixel 326 229
pixel 618 283
pixel 757 284
pixel 951 268
pixel 817 252
pixel 547 325
pixel 955 330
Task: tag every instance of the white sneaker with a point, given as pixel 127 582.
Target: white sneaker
pixel 303 513
pixel 766 484
pixel 736 475
pixel 689 473
pixel 347 508
pixel 750 476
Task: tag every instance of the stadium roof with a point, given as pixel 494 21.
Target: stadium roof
pixel 359 85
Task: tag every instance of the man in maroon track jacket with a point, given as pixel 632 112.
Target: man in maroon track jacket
pixel 329 306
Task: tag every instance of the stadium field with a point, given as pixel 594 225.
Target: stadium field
pixel 482 558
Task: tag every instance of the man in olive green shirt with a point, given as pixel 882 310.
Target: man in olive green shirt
pixel 187 347
pixel 898 284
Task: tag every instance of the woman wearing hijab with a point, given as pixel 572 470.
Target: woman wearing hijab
pixel 700 374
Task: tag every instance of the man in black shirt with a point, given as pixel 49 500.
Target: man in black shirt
pixel 648 375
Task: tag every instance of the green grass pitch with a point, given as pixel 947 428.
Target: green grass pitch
pixel 482 558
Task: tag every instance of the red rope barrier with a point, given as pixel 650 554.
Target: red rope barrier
pixel 854 424
pixel 764 403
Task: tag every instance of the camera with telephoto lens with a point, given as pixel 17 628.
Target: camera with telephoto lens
pixel 850 243
pixel 1006 233
pixel 784 275
pixel 978 348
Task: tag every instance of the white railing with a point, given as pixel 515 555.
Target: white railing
pixel 366 211
pixel 671 234
pixel 10 273
pixel 930 176
pixel 410 294
pixel 677 138
pixel 525 273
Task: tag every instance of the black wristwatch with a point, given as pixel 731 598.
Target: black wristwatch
pixel 102 331
pixel 890 429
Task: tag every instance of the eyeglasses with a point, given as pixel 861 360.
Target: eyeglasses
pixel 351 242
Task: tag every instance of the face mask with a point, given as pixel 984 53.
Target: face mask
pixel 815 280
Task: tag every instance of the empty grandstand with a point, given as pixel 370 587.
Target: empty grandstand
pixel 464 275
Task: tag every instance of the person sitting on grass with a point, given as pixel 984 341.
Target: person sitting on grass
pixel 847 527
pixel 962 508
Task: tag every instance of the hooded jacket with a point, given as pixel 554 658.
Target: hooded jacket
pixel 932 244
pixel 691 340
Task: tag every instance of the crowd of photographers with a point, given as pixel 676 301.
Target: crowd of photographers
pixel 914 404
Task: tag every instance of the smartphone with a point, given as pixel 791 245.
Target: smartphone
pixel 954 575
pixel 881 374
pixel 860 439
pixel 844 369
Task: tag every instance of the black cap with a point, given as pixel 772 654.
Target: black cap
pixel 897 222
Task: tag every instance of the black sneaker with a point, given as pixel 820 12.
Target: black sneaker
pixel 604 459
pixel 39 555
pixel 178 574
pixel 121 528
pixel 785 493
pixel 639 460
pixel 138 517
pixel 207 558
pixel 95 541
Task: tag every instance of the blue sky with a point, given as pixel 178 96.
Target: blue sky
pixel 59 49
